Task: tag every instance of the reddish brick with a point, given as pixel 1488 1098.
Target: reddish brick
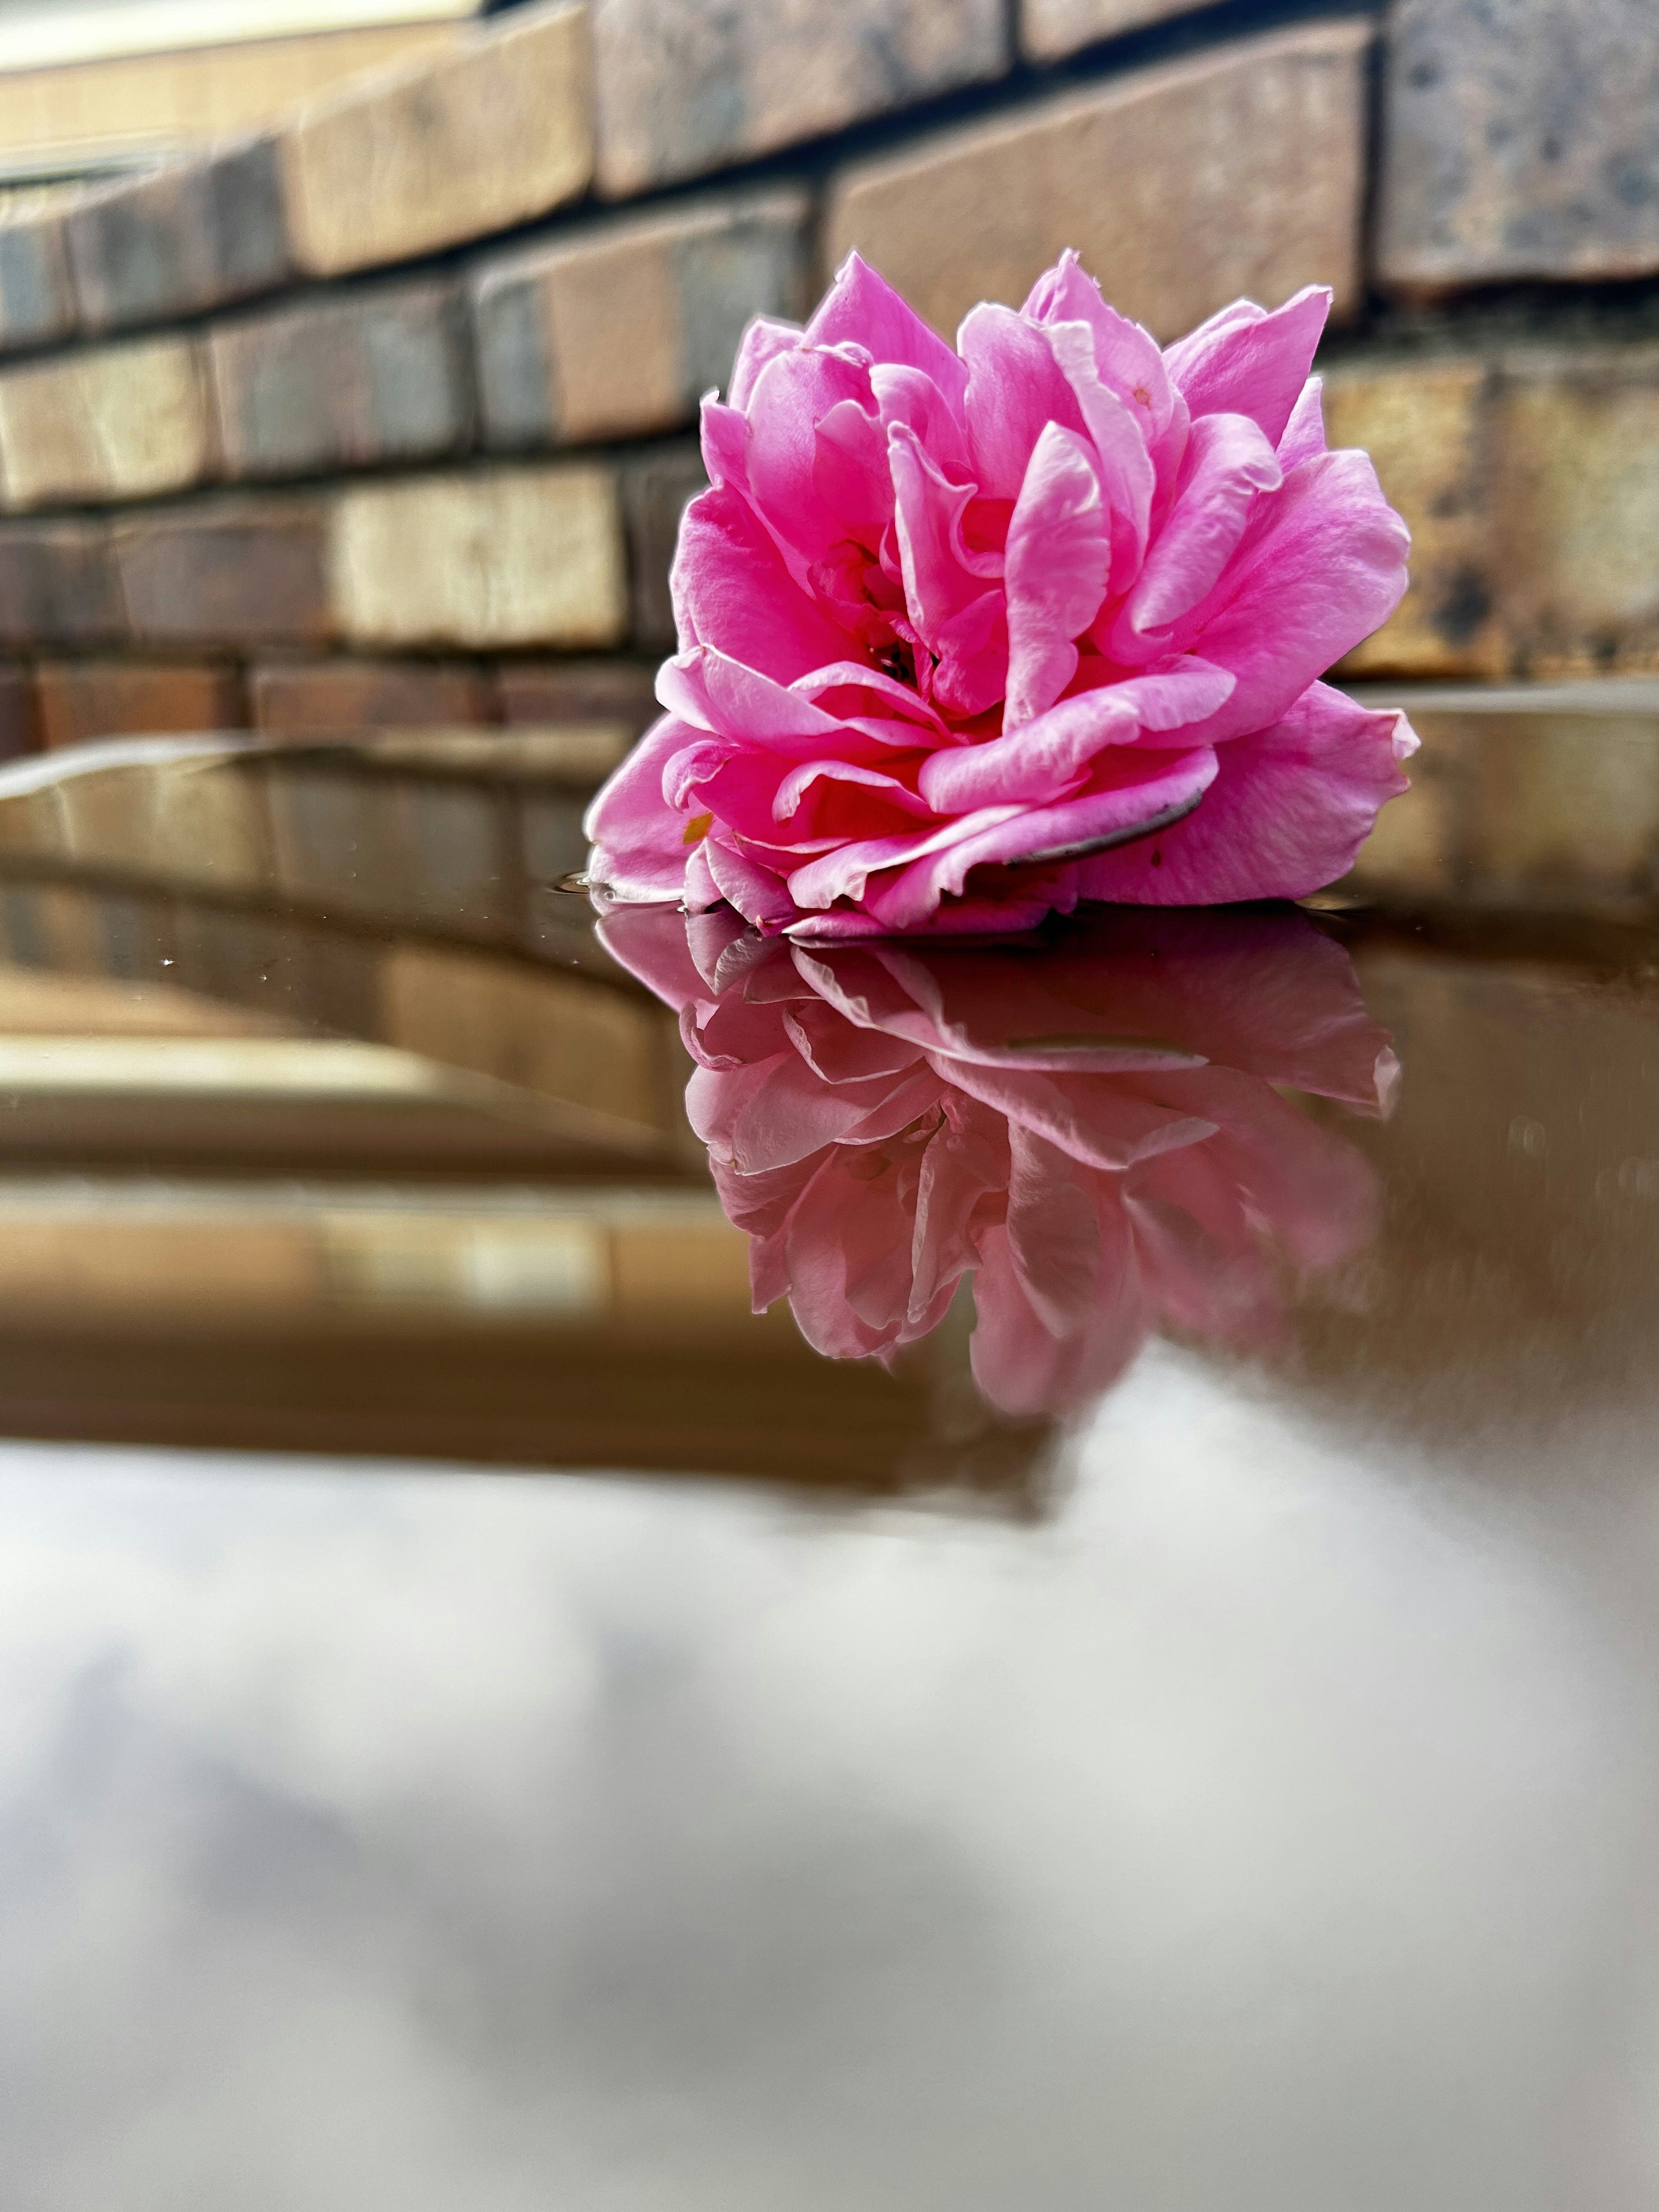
pixel 19 727
pixel 551 692
pixel 233 571
pixel 317 696
pixel 81 700
pixel 58 585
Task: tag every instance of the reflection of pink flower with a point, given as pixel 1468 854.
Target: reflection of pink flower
pixel 1088 1125
pixel 966 636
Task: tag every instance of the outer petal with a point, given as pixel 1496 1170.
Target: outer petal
pixel 1322 563
pixel 1048 757
pixel 732 590
pixel 1058 552
pixel 1289 810
pixel 863 307
pixel 1142 791
pixel 1228 462
pixel 764 340
pixel 1015 386
pixel 1246 361
pixel 1126 357
pixel 639 841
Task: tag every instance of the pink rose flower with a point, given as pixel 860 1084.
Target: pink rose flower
pixel 1089 1127
pixel 968 636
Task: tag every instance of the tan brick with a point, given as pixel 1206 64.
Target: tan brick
pixel 684 89
pixel 118 421
pixel 619 329
pixel 1519 143
pixel 1426 425
pixel 81 700
pixel 486 558
pixel 488 133
pixel 228 571
pixel 1576 510
pixel 310 696
pixel 1051 28
pixel 1181 187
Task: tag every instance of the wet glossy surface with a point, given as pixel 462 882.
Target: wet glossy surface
pixel 1222 1776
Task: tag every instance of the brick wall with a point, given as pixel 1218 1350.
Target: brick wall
pixel 384 416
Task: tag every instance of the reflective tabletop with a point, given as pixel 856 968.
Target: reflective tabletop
pixel 1131 1683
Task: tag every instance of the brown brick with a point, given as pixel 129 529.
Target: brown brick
pixel 319 695
pixel 378 373
pixel 20 727
pixel 189 235
pixel 684 89
pixel 229 572
pixel 37 300
pixel 1427 425
pixel 554 692
pixel 118 421
pixel 1576 510
pixel 657 485
pixel 488 133
pixel 1050 29
pixel 58 585
pixel 621 328
pixel 1181 187
pixel 1519 142
pixel 484 558
pixel 82 700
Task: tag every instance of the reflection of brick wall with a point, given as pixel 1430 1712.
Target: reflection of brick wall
pixel 378 415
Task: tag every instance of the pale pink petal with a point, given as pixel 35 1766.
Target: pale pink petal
pixel 1118 435
pixel 1228 463
pixel 755 892
pixel 1146 791
pixel 1128 359
pixel 1288 811
pixel 1246 361
pixel 1058 552
pixel 1321 566
pixel 862 306
pixel 1304 434
pixel 638 840
pixel 844 872
pixel 764 340
pixel 732 590
pixel 1050 756
pixel 813 492
pixel 1014 388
